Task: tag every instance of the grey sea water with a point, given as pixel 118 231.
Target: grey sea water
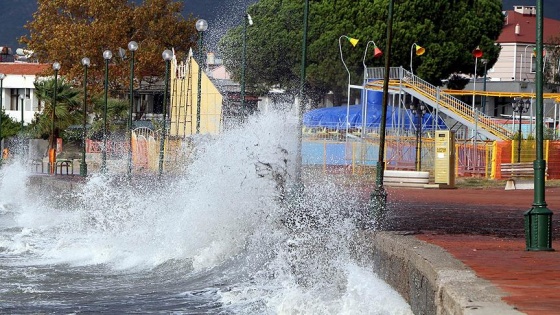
pixel 223 235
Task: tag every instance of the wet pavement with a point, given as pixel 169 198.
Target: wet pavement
pixel 484 229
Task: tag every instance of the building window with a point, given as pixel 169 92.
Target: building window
pixel 15 101
pixel 533 64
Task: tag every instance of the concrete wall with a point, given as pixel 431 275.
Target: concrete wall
pixel 430 279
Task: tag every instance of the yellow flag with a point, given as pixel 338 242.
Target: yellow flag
pixel 353 41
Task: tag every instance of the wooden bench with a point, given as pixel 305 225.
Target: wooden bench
pixel 405 178
pixel 514 170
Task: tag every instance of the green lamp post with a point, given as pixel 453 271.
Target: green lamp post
pixel 132 46
pixel 201 27
pixel 83 165
pixel 299 158
pixel 22 98
pixel 246 20
pixel 378 197
pixel 538 219
pixel 167 56
pixel 520 106
pixel 52 149
pixel 107 55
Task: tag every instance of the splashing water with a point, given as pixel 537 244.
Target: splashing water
pixel 226 235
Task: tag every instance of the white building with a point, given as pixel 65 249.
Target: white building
pixel 18 88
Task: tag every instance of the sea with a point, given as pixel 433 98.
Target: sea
pixel 229 232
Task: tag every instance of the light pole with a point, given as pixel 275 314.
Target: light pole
pixel 52 150
pixel 2 76
pixel 378 197
pixel 377 53
pixel 538 219
pixel 483 105
pixel 167 56
pixel 132 46
pixel 477 53
pixel 354 42
pixel 83 165
pixel 246 20
pixel 22 98
pixel 419 52
pixel 201 27
pixel 299 158
pixel 419 112
pixel 520 106
pixel 107 55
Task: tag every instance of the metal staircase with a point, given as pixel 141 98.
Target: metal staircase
pixel 451 106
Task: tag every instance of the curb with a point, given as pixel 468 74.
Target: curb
pixel 430 279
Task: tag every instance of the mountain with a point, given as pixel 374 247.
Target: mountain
pixel 220 14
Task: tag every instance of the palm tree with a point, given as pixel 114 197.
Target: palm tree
pixel 67 111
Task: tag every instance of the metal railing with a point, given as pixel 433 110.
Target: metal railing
pixel 465 112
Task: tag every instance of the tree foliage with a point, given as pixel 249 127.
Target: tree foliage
pixel 68 30
pixel 449 30
pixel 67 111
pixel 10 127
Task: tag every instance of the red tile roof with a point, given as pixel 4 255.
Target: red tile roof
pixel 22 68
pixel 527 29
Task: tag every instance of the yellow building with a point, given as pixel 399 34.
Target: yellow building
pixel 185 109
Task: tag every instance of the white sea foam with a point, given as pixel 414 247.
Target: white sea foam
pixel 292 250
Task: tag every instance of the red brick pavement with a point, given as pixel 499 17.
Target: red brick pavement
pixel 484 229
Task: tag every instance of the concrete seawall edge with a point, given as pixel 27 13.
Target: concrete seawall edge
pixel 430 279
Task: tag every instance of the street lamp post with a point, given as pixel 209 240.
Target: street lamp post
pixel 246 20
pixel 483 103
pixel 299 159
pixel 201 27
pixel 167 56
pixel 107 55
pixel 22 98
pixel 538 219
pixel 520 106
pixel 378 197
pixel 132 46
pixel 354 42
pixel 83 164
pixel 377 53
pixel 419 52
pixel 52 150
pixel 477 53
pixel 2 76
pixel 418 111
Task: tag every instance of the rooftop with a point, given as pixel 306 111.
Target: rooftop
pixel 520 26
pixel 14 68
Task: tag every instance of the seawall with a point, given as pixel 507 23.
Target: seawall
pixel 431 280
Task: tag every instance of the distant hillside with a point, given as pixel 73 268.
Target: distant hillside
pixel 221 15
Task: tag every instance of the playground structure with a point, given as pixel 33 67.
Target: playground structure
pixel 483 143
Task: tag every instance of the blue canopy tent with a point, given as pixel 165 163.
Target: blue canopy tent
pixel 335 117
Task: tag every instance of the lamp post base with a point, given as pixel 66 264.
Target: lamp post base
pixel 378 207
pixel 83 169
pixel 538 229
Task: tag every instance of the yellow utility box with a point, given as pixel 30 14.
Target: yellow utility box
pixel 444 164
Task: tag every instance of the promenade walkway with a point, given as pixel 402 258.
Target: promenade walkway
pixel 484 229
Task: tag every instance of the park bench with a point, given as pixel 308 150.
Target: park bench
pixel 518 172
pixel 406 178
pixel 515 170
